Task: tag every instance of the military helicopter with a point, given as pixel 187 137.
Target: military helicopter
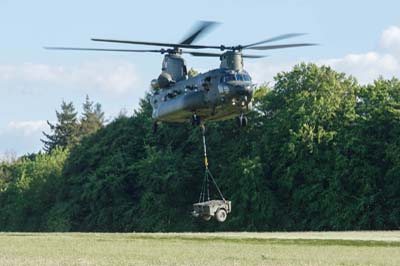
pixel 219 94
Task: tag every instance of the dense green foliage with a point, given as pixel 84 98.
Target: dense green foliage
pixel 320 153
pixel 29 190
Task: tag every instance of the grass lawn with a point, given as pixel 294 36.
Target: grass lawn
pixel 328 248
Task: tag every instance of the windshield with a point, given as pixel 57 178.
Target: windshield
pixel 231 77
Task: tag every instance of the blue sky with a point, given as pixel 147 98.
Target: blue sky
pixel 358 37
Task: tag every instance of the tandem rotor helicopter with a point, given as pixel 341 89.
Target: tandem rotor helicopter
pixel 219 94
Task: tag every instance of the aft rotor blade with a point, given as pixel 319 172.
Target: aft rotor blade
pixel 254 56
pixel 201 28
pixel 280 46
pixel 274 39
pixel 103 50
pixel 159 44
pixel 219 54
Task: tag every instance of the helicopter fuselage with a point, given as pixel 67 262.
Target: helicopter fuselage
pixel 218 94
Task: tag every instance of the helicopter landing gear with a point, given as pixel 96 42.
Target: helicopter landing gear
pixel 242 120
pixel 196 120
pixel 155 127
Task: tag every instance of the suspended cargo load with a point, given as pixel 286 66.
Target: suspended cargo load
pixel 207 208
pixel 218 209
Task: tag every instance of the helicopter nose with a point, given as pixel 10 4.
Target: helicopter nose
pixel 237 90
pixel 240 91
pixel 231 91
pixel 237 94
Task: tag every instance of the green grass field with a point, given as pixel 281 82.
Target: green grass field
pixel 330 248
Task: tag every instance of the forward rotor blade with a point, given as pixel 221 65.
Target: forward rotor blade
pixel 159 44
pixel 280 46
pixel 201 28
pixel 274 39
pixel 103 50
pixel 201 54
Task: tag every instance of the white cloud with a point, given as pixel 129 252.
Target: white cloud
pixel 384 61
pixel 113 77
pixel 366 67
pixel 21 137
pixel 27 128
pixel 390 40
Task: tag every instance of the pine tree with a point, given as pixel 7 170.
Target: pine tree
pixel 92 118
pixel 65 132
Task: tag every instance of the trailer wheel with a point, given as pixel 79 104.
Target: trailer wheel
pixel 206 217
pixel 221 215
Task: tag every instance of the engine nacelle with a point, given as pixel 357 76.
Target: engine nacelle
pixel 165 80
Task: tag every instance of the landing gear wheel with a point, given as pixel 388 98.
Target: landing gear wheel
pixel 242 120
pixel 206 217
pixel 221 215
pixel 155 127
pixel 196 121
pixel 238 121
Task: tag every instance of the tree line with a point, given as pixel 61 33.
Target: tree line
pixel 321 152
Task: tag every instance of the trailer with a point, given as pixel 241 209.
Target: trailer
pixel 218 209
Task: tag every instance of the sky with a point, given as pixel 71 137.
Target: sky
pixel 361 38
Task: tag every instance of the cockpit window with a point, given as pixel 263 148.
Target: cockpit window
pixel 246 77
pixel 232 77
pixel 229 77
